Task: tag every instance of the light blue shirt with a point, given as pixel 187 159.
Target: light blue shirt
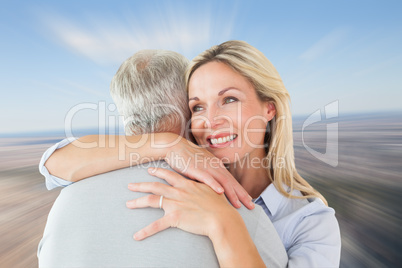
pixel 53 181
pixel 307 227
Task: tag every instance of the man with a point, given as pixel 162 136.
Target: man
pixel 89 224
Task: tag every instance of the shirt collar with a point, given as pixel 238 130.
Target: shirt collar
pixel 272 198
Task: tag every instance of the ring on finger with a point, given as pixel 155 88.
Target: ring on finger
pixel 160 202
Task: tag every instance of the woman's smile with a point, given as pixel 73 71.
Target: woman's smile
pixel 221 140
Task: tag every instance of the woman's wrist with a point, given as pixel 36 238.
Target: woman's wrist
pixel 148 147
pixel 169 143
pixel 232 242
pixel 223 223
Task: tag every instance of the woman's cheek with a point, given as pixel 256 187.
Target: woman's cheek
pixel 254 131
pixel 197 130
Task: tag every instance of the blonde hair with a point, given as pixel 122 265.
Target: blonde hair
pixel 253 65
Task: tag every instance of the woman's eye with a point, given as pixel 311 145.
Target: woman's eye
pixel 229 100
pixel 197 108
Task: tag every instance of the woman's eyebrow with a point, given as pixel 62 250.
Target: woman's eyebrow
pixel 195 98
pixel 224 90
pixel 220 93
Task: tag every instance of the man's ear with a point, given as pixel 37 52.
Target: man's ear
pixel 270 110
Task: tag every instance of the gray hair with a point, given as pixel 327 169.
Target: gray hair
pixel 149 92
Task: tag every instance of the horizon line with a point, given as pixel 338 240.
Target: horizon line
pixel 95 130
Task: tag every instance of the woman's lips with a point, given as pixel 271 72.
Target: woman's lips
pixel 221 140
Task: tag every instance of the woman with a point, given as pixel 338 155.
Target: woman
pixel 240 114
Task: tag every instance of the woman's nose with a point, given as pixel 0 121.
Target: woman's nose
pixel 213 121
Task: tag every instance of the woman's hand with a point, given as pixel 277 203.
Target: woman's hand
pixel 196 208
pixel 199 164
pixel 188 205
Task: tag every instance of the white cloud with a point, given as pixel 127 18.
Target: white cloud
pixel 324 45
pixel 111 40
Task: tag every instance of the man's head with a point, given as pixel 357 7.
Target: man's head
pixel 149 92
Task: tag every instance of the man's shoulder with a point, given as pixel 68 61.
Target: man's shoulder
pixel 133 170
pixel 265 236
pixel 121 177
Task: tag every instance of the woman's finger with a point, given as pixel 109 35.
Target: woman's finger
pixel 198 174
pixel 151 200
pixel 156 188
pixel 155 227
pixel 171 177
pixel 244 197
pixel 228 183
pixel 234 191
pixel 209 180
pixel 232 196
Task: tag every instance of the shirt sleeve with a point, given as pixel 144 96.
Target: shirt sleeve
pixel 318 241
pixel 53 181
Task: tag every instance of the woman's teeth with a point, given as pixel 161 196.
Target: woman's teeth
pixel 223 140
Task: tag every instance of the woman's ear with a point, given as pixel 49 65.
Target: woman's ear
pixel 270 110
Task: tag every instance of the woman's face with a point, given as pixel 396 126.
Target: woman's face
pixel 227 116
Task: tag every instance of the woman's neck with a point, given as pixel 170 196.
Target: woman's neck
pixel 251 175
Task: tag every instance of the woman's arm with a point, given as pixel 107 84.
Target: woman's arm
pixel 93 154
pixel 96 154
pixel 195 208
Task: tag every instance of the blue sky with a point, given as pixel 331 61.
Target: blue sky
pixel 60 55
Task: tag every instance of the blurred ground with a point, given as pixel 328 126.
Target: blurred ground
pixel 24 205
pixel 24 200
pixel 365 189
